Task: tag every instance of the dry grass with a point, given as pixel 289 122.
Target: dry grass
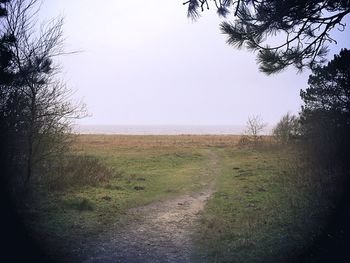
pixel 98 142
pixel 74 170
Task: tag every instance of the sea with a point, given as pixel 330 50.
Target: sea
pixel 165 129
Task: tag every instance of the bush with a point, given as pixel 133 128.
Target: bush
pixel 76 170
pixel 287 129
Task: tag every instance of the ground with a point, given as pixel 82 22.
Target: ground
pixel 158 232
pixel 179 199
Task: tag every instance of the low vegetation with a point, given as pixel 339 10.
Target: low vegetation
pixel 108 175
pixel 268 207
pixel 267 204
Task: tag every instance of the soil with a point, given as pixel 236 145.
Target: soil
pixel 158 232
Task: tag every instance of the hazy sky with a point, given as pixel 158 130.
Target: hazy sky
pixel 144 62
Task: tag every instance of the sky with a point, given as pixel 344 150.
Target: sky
pixel 145 63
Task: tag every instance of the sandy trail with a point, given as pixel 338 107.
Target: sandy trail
pixel 158 232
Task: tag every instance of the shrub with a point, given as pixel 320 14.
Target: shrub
pixel 287 129
pixel 76 170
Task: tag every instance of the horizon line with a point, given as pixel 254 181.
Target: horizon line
pixel 113 124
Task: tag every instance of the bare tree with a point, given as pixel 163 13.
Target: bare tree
pixel 255 125
pixel 46 111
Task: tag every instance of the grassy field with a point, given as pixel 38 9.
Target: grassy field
pixel 266 205
pixel 265 209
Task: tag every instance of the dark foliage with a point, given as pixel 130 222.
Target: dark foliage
pixel 304 25
pixel 326 113
pixel 7 100
pixel 325 120
pixel 14 237
pixel 6 40
pixel 35 107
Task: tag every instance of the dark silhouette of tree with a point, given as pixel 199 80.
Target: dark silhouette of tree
pixel 326 111
pixel 36 110
pixel 325 120
pixel 5 53
pixel 284 32
pixel 6 100
pixel 329 86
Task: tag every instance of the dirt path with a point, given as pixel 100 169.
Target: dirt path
pixel 158 232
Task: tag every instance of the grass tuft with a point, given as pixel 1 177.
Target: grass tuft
pixel 79 204
pixel 78 171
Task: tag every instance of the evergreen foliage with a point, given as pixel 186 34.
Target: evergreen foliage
pixel 303 25
pixel 326 112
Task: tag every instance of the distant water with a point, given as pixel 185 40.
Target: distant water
pixel 163 129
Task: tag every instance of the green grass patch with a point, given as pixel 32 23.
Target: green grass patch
pixel 264 209
pixel 79 204
pixel 93 189
pixel 268 205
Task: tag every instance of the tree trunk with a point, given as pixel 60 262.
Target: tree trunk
pixel 29 161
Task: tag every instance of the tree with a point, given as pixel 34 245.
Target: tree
pixel 6 77
pixel 255 125
pixel 329 86
pixel 35 106
pixel 5 54
pixel 286 129
pixel 303 25
pixel 326 110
